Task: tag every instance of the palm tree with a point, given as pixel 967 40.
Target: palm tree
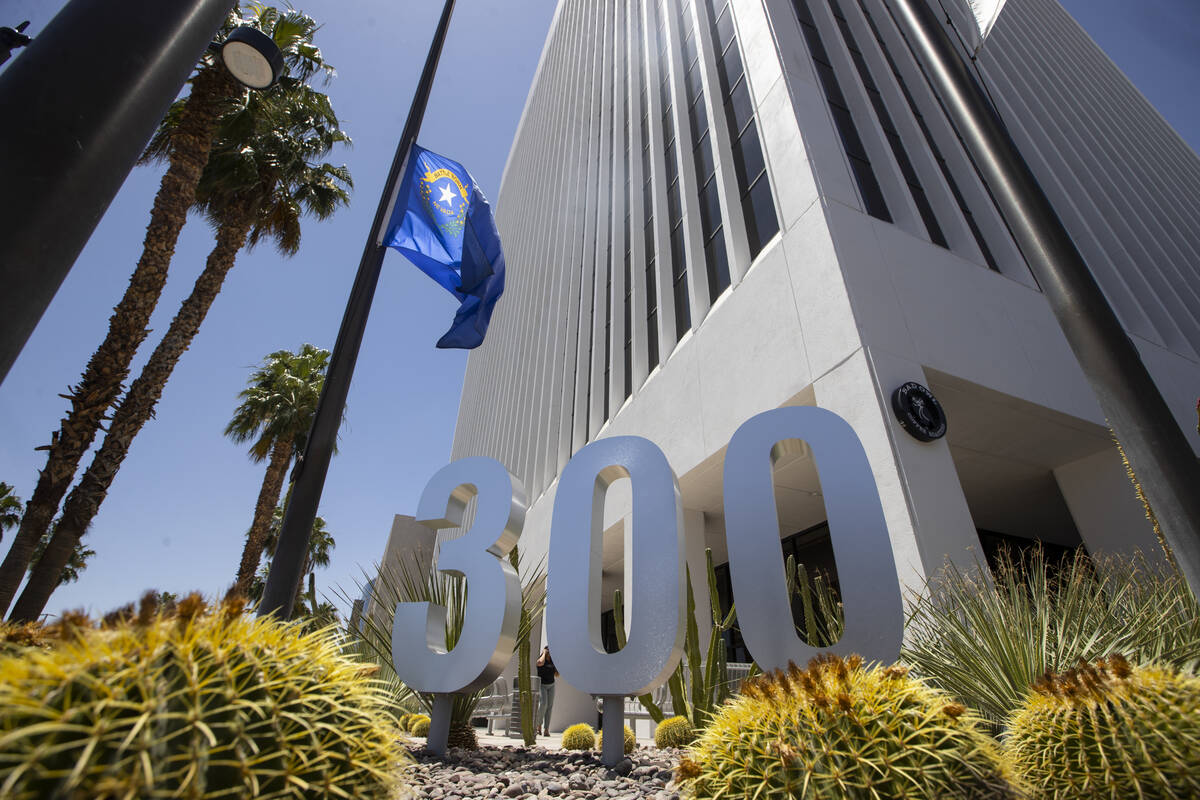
pixel 213 92
pixel 256 185
pixel 320 546
pixel 10 508
pixel 275 414
pixel 76 562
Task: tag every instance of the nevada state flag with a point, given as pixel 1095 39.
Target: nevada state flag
pixel 443 223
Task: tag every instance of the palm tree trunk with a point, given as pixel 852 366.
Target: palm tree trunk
pixel 135 411
pixel 100 384
pixel 268 498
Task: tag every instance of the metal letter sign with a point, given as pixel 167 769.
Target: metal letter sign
pixel 658 598
pixel 866 568
pixel 493 609
pixel 874 617
pixel 657 603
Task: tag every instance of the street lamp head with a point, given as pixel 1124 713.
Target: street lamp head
pixel 252 57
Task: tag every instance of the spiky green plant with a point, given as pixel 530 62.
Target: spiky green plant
pixel 524 668
pixel 987 641
pixel 824 619
pixel 837 730
pixel 419 725
pixel 412 580
pixel 630 740
pixel 705 673
pixel 700 683
pixel 580 736
pixel 201 704
pixel 1109 730
pixel 674 732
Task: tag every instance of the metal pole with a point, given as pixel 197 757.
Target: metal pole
pixel 1154 444
pixel 286 566
pixel 80 103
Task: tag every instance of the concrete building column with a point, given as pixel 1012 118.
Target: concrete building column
pixel 1106 510
pixel 926 510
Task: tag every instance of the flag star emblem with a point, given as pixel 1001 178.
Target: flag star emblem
pixel 447 196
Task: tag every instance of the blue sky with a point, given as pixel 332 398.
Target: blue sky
pixel 177 513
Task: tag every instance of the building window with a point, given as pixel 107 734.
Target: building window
pixel 754 187
pixel 711 227
pixel 652 352
pixel 963 208
pixel 626 241
pixel 679 287
pixel 856 154
pixel 915 190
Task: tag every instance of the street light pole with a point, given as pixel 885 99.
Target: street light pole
pixel 1156 448
pixel 279 594
pixel 80 102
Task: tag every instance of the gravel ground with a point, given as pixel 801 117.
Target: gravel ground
pixel 535 772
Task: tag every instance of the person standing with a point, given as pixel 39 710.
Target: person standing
pixel 546 674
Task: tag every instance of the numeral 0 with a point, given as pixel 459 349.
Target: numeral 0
pixel 874 617
pixel 657 601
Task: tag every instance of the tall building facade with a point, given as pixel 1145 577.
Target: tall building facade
pixel 713 208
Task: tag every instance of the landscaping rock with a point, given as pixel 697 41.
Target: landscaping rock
pixel 519 773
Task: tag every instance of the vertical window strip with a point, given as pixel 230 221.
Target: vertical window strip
pixel 758 206
pixel 612 180
pixel 915 189
pixel 652 353
pixel 628 242
pixel 959 200
pixel 716 263
pixel 679 267
pixel 856 154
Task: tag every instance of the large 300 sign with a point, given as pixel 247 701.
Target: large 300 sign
pixel 866 568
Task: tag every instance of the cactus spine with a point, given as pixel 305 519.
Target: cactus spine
pixel 200 705
pixel 674 732
pixel 579 737
pixel 1109 730
pixel 836 730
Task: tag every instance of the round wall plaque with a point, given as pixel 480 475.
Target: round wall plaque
pixel 919 412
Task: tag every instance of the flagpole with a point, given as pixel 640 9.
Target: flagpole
pixel 285 575
pixel 1157 450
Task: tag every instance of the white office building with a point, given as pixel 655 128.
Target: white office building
pixel 713 208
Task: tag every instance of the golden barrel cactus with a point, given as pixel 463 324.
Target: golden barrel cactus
pixel 1110 730
pixel 196 703
pixel 836 730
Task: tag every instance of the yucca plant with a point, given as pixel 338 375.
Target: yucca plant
pixel 987 642
pixel 413 581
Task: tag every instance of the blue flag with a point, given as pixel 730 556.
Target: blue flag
pixel 444 225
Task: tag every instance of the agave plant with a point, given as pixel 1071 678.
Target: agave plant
pixel 987 642
pixel 412 580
